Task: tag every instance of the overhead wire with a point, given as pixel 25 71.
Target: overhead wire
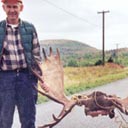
pixel 69 13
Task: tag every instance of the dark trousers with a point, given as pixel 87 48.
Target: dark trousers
pixel 16 89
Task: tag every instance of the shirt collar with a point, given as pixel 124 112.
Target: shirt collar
pixel 9 25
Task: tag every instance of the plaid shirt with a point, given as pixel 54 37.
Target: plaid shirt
pixel 13 53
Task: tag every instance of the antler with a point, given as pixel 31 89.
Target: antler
pixel 53 76
pixel 124 105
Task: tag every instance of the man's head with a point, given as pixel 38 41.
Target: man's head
pixel 12 9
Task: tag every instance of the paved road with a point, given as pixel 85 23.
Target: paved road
pixel 77 118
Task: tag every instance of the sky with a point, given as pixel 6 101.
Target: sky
pixel 78 20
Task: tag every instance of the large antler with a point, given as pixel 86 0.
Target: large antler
pixel 54 77
pixel 95 103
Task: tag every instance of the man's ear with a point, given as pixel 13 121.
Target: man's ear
pixel 3 6
pixel 21 7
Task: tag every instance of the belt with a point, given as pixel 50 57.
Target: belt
pixel 22 70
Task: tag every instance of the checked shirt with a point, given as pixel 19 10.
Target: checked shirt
pixel 13 53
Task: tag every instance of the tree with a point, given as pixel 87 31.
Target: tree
pixel 72 63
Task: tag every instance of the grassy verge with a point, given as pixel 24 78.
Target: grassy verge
pixel 80 79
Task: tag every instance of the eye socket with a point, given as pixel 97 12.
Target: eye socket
pixel 12 6
pixel 15 7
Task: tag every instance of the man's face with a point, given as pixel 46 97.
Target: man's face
pixel 12 11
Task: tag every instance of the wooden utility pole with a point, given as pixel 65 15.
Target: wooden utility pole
pixel 103 34
pixel 117 52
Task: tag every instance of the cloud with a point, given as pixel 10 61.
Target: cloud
pixel 78 20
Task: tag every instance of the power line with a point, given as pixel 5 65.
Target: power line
pixel 69 13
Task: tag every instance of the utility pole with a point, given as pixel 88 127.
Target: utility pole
pixel 117 52
pixel 103 35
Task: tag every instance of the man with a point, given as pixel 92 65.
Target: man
pixel 19 51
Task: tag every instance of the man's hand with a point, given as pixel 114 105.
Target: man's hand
pixel 44 86
pixel 97 113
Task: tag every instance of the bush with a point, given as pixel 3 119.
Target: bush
pixel 99 62
pixel 72 63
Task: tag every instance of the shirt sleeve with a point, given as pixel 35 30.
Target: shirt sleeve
pixel 36 47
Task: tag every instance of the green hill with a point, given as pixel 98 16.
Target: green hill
pixel 68 47
pixel 75 53
pixel 70 50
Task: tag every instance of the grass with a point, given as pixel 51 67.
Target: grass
pixel 83 78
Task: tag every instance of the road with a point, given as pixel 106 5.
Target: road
pixel 77 118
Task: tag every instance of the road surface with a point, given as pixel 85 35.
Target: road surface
pixel 77 118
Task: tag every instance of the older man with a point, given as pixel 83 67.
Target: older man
pixel 19 52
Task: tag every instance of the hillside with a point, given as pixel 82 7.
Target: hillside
pixel 74 53
pixel 68 47
pixel 119 56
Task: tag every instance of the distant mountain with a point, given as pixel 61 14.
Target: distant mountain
pixel 119 50
pixel 81 54
pixel 68 47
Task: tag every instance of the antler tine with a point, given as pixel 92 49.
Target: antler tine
pixel 63 113
pixel 58 53
pixel 44 53
pixel 51 51
pixel 50 97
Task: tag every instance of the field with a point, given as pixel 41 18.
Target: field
pixel 78 79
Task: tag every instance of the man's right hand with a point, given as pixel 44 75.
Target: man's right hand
pixel 44 86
